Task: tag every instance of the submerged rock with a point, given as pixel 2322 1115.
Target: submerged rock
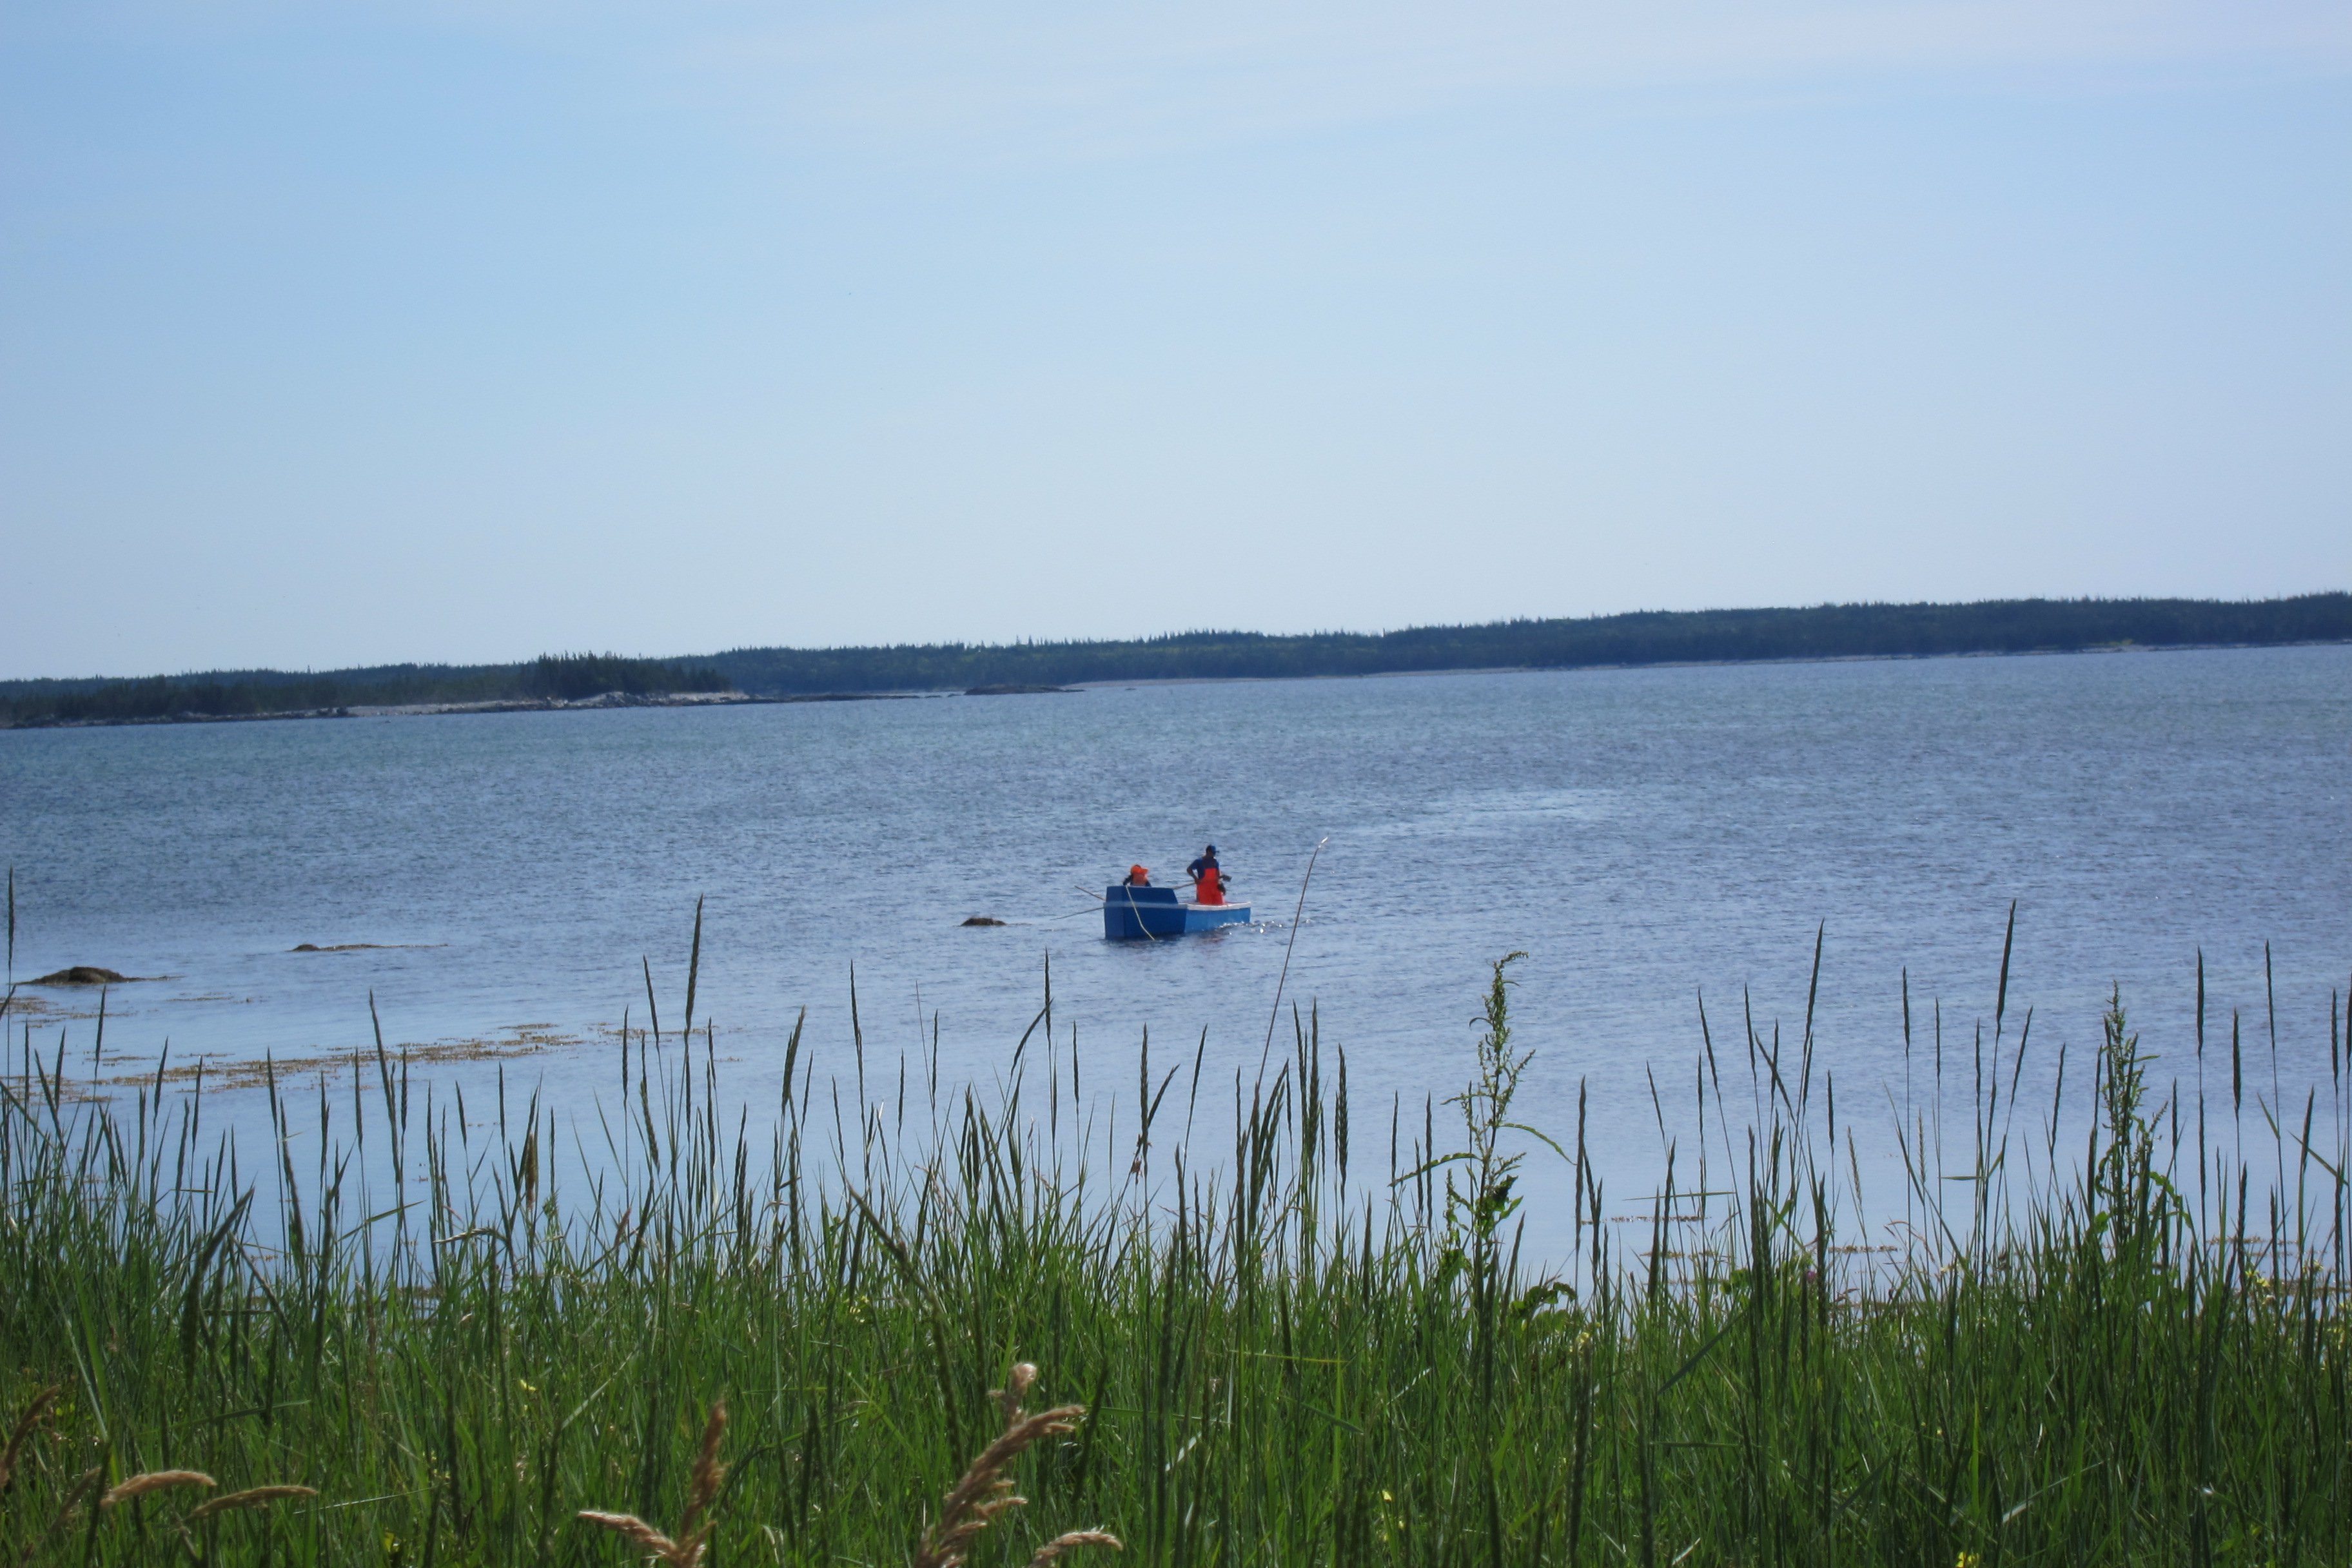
pixel 80 974
pixel 983 920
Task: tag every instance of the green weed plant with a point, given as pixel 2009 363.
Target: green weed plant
pixel 399 1343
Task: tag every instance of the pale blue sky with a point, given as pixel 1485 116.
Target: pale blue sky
pixel 436 330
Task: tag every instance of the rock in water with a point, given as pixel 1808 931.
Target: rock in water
pixel 80 974
pixel 983 920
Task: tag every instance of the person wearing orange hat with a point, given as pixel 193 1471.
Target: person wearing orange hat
pixel 1137 876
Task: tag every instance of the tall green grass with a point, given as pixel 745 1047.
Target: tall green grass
pixel 1324 1345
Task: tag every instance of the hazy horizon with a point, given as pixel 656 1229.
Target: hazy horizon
pixel 462 334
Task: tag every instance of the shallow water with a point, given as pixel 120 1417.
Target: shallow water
pixel 1644 835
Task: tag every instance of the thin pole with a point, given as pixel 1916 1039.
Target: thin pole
pixel 1276 1016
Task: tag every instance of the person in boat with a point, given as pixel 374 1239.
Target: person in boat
pixel 1137 876
pixel 1208 877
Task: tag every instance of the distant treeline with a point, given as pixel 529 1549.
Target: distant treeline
pixel 1658 636
pixel 1827 631
pixel 242 694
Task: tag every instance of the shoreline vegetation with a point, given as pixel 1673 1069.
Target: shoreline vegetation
pixel 776 675
pixel 440 1332
pixel 551 681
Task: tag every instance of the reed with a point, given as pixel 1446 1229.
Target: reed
pixel 702 1491
pixel 450 1345
pixel 983 1492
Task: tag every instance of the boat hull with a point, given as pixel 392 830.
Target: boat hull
pixel 1144 914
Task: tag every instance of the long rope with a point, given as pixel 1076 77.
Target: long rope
pixel 1276 1016
pixel 1136 912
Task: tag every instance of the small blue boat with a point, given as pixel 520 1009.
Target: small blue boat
pixel 1132 913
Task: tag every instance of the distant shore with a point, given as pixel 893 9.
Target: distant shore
pixel 1641 639
pixel 1694 664
pixel 755 700
pixel 519 705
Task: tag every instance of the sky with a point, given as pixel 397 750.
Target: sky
pixel 426 329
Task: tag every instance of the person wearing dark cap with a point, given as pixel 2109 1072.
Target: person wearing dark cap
pixel 1207 877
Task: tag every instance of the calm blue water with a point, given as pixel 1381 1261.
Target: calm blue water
pixel 1644 836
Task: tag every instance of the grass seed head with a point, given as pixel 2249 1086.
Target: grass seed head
pixel 707 1471
pixel 252 1497
pixel 1015 1389
pixel 639 1533
pixel 22 1433
pixel 983 1493
pixel 694 1532
pixel 154 1481
pixel 1071 1541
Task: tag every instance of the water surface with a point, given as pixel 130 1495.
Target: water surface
pixel 1647 837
